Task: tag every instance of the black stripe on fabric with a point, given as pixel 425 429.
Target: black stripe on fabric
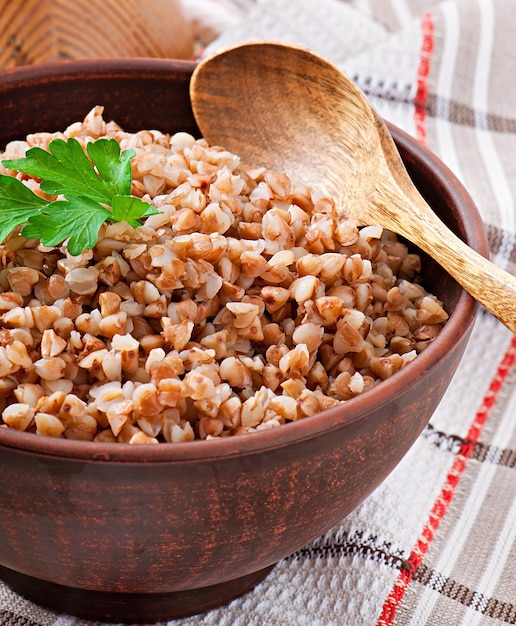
pixel 505 457
pixel 443 441
pixel 491 607
pixel 381 552
pixel 8 618
pixel 434 105
pixel 351 544
pixel 496 237
pixel 464 115
pixel 390 92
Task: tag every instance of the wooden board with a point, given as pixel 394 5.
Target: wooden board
pixel 36 31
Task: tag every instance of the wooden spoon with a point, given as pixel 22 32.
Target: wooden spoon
pixel 290 110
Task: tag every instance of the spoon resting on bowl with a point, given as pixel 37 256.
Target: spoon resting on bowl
pixel 287 109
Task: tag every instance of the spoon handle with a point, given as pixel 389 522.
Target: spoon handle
pixel 404 210
pixel 490 285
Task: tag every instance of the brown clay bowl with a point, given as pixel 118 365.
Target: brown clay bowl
pixel 145 533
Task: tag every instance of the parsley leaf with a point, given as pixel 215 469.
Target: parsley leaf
pixel 78 219
pixel 114 167
pixel 64 168
pixel 129 209
pixel 91 182
pixel 17 204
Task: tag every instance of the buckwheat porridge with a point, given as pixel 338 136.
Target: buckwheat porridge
pixel 242 304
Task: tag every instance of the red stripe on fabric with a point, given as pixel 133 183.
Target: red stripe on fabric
pixel 444 499
pixel 427 46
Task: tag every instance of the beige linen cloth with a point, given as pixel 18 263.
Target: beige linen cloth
pixel 435 544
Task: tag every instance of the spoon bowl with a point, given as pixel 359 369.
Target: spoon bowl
pixel 288 109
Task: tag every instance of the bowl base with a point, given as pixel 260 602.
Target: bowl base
pixel 128 607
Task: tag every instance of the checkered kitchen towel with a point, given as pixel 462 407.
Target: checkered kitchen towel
pixel 435 544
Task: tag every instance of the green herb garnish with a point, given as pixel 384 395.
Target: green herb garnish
pixel 95 190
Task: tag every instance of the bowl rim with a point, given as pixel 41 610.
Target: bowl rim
pixel 65 69
pixel 458 325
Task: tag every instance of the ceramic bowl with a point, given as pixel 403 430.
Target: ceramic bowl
pixel 147 533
